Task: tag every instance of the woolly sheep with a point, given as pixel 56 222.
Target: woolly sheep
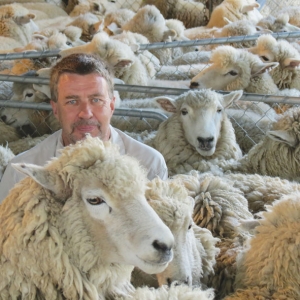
pixel 293 13
pixel 191 13
pixel 57 222
pixel 44 10
pixel 276 154
pixel 174 292
pixel 186 140
pixel 5 156
pixel 192 261
pixel 97 7
pixel 149 22
pixel 286 75
pixel 269 267
pixel 120 56
pixel 16 25
pixel 280 23
pixel 8 133
pixel 233 10
pixel 25 143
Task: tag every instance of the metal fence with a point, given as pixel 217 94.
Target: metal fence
pixel 131 119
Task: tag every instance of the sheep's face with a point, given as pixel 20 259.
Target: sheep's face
pixel 202 125
pixel 133 232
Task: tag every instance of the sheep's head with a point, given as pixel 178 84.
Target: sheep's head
pixel 230 69
pixel 171 202
pixel 201 113
pixel 104 192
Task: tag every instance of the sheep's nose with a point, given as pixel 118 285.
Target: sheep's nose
pixel 159 246
pixel 3 118
pixel 205 142
pixel 186 281
pixel 194 84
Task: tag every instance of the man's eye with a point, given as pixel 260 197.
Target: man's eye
pixel 71 102
pixel 98 101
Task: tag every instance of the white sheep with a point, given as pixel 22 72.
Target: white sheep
pixel 53 249
pixel 198 132
pixel 286 75
pixel 149 22
pixel 279 23
pixel 234 10
pixel 276 154
pixel 8 133
pixel 269 267
pixel 293 12
pixel 194 247
pixel 5 156
pixel 127 66
pixel 44 10
pixel 16 25
pixel 191 13
pixel 97 7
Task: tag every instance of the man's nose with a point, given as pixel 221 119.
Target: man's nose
pixel 86 111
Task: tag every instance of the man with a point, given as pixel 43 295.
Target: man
pixel 82 100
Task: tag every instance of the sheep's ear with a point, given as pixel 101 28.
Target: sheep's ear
pixel 291 63
pixel 39 37
pixel 260 68
pixel 39 174
pixel 118 81
pixel 247 8
pixel 166 103
pixel 169 34
pixel 123 63
pixel 135 47
pixel 114 28
pixel 44 72
pixel 282 136
pixel 31 16
pixel 228 99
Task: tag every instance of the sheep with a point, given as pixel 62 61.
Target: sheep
pixel 277 24
pixel 276 155
pixel 44 10
pixel 174 292
pixel 8 133
pixel 53 250
pixel 237 28
pixel 16 26
pixel 293 14
pixel 5 156
pixel 149 22
pixel 97 7
pixel 120 56
pixel 39 122
pixel 234 69
pixel 269 267
pixel 119 18
pixel 198 133
pixel 233 10
pixel 191 13
pixel 25 143
pixel 194 57
pixel 261 190
pixel 269 49
pixel 194 248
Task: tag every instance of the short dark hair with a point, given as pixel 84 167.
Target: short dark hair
pixel 81 64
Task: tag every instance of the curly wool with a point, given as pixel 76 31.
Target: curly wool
pixel 274 158
pixel 181 156
pixel 271 261
pixel 37 225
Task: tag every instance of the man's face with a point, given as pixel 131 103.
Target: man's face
pixel 83 106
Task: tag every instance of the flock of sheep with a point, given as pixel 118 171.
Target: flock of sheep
pixel 225 225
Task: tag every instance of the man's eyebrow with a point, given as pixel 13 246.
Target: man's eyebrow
pixel 72 97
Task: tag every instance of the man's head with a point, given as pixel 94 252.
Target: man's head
pixel 82 97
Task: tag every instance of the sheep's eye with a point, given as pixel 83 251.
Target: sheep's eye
pixel 95 201
pixel 69 43
pixel 219 110
pixel 184 112
pixel 29 95
pixel 264 58
pixel 232 73
pixel 190 226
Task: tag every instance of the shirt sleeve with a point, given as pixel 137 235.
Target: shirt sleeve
pixel 9 179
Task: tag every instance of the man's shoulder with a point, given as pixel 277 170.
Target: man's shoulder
pixel 39 152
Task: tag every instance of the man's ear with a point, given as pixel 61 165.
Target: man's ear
pixel 54 108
